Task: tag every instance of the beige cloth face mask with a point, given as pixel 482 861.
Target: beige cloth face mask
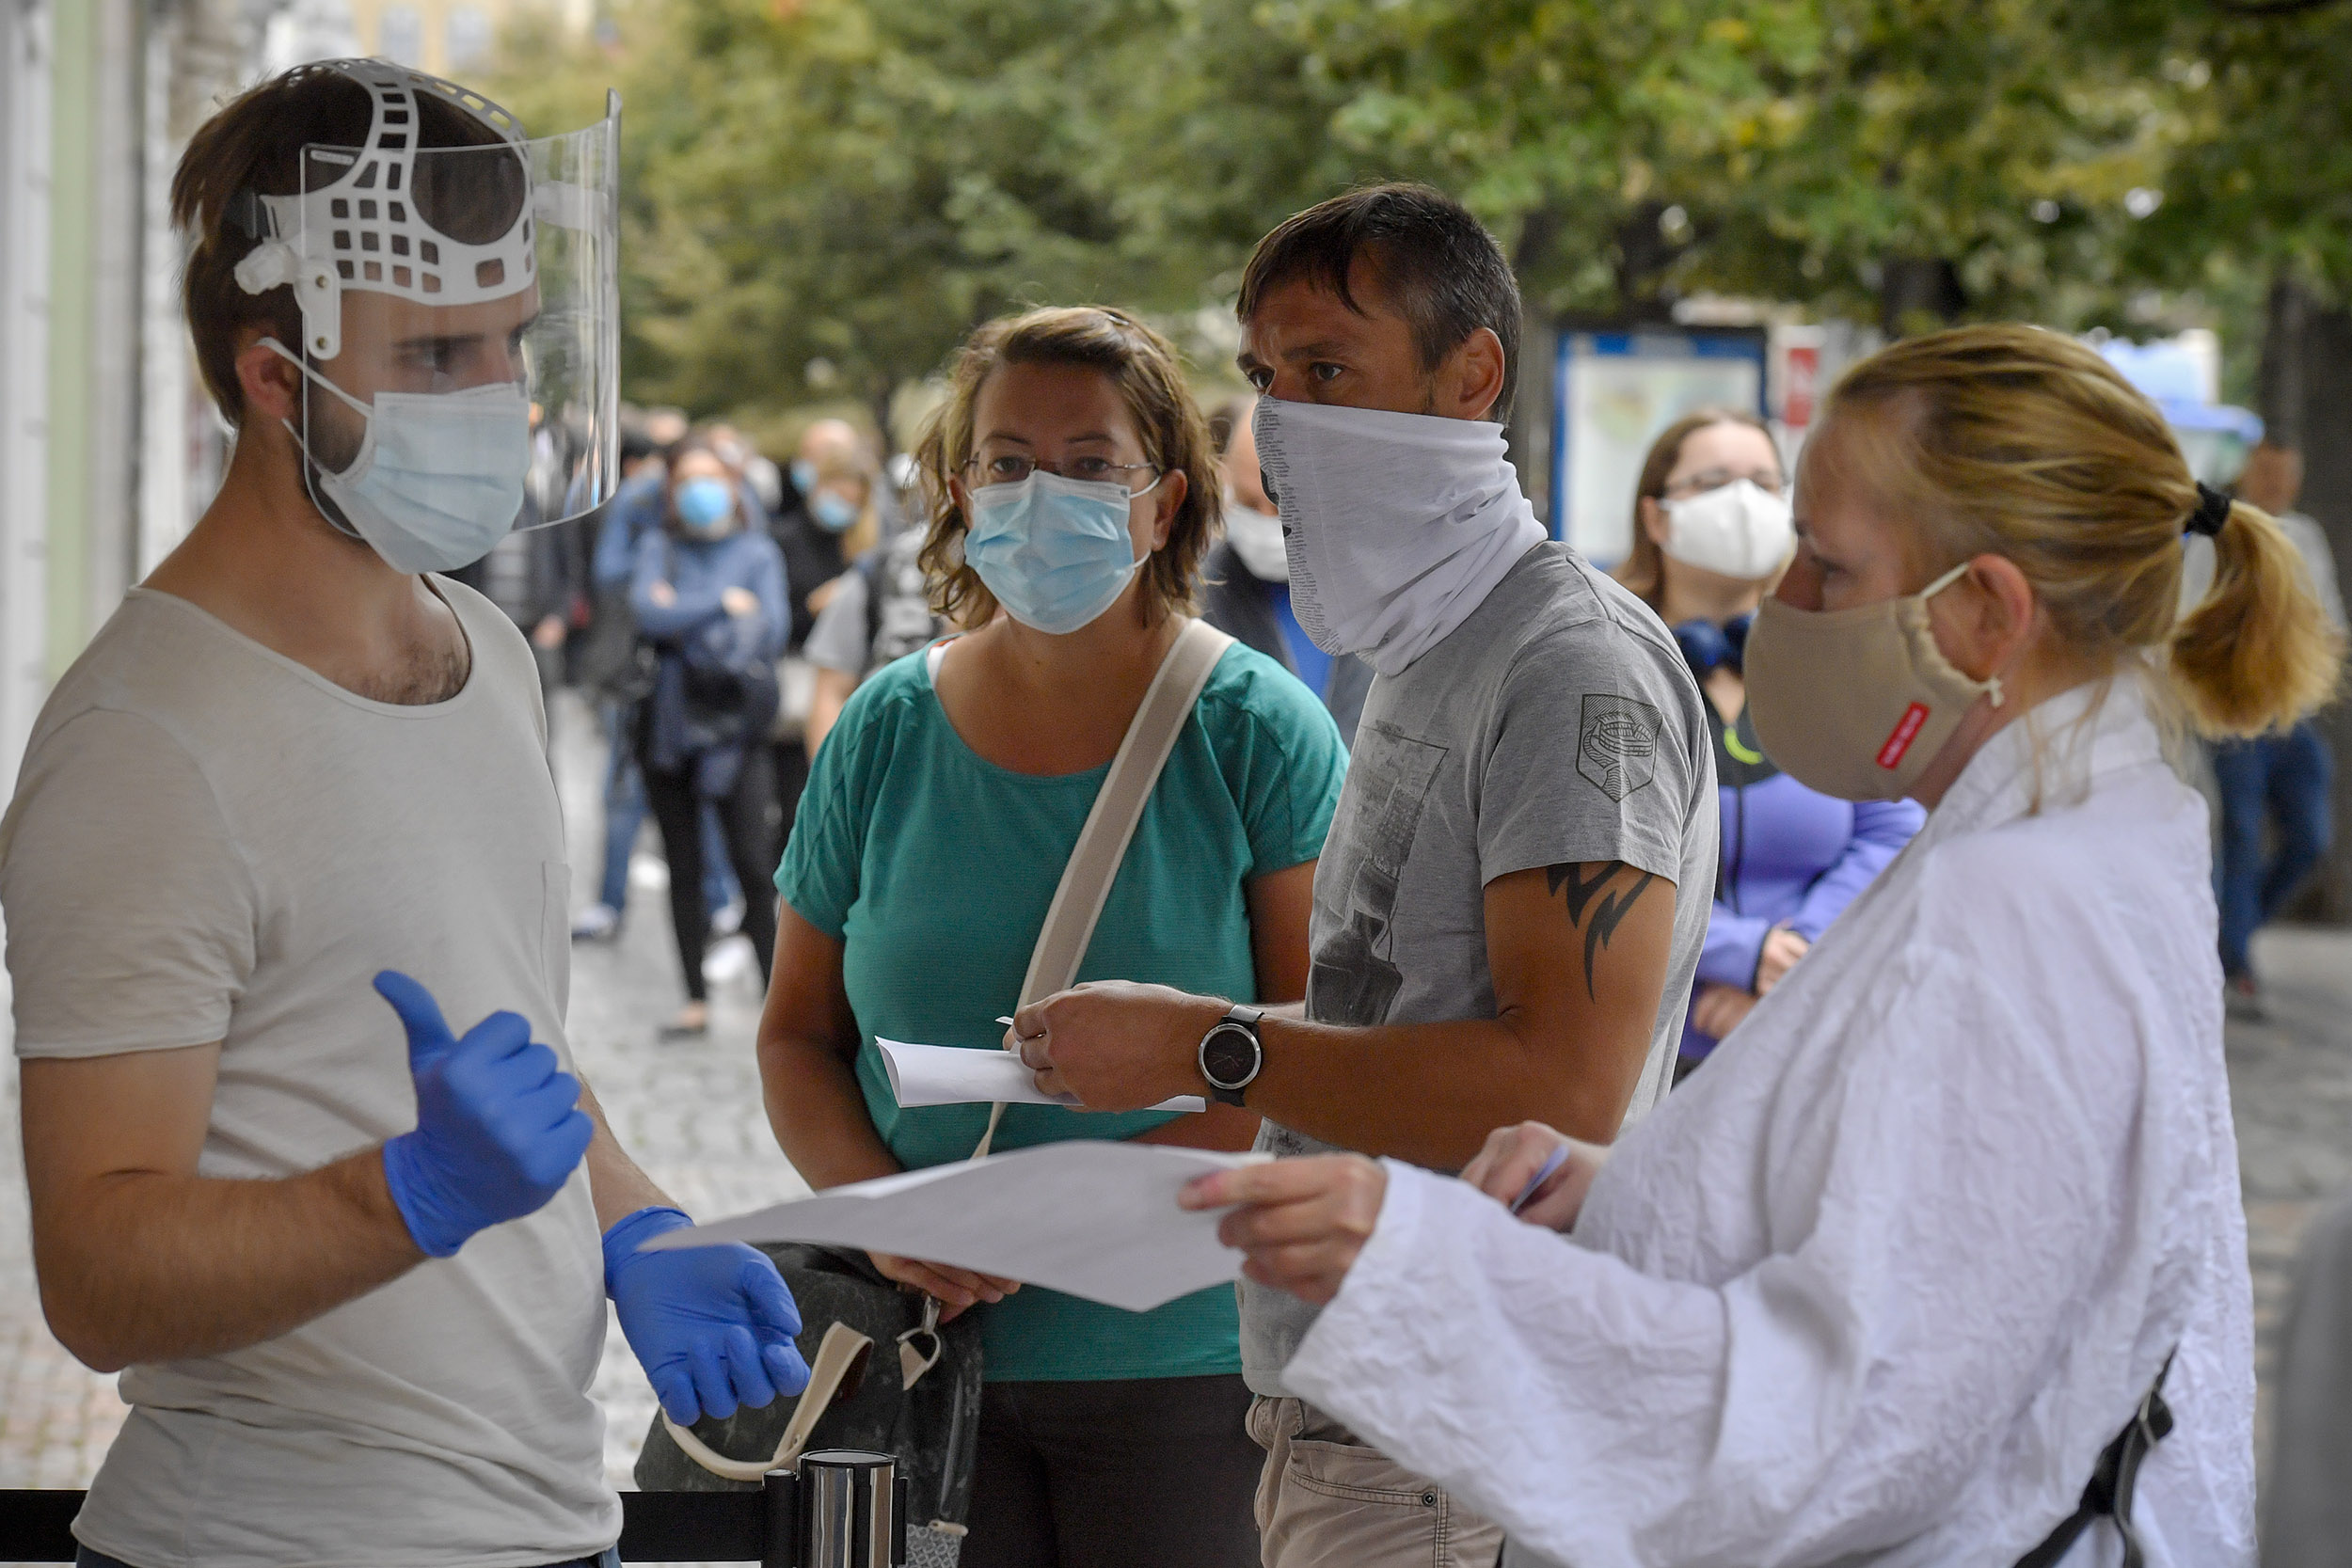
pixel 1856 703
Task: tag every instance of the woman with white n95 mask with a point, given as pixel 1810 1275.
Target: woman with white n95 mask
pixel 1711 534
pixel 1945 1261
pixel 1072 493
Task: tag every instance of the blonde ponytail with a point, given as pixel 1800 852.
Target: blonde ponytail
pixel 2020 442
pixel 2257 652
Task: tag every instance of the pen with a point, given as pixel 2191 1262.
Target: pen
pixel 1559 1158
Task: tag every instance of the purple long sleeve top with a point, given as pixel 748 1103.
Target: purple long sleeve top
pixel 1791 856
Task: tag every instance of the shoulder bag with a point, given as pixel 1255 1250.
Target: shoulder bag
pixel 926 1408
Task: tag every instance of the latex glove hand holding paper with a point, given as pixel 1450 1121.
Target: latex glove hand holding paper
pixel 1097 1220
pixel 712 1328
pixel 954 1075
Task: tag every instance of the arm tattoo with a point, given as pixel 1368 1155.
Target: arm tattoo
pixel 1579 892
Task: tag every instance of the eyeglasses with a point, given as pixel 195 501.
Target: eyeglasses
pixel 1012 468
pixel 1715 479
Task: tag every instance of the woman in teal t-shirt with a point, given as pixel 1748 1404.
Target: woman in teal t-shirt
pixel 1073 494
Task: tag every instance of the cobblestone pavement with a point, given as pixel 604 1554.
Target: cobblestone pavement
pixel 691 1115
pixel 2291 1091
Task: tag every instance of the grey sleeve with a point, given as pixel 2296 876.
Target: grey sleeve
pixel 839 640
pixel 132 913
pixel 1594 754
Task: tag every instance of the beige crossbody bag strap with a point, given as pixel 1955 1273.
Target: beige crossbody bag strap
pixel 1085 881
pixel 1061 946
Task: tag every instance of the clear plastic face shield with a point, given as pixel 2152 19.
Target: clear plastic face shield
pixel 460 319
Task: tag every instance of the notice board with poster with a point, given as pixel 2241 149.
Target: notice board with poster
pixel 1613 390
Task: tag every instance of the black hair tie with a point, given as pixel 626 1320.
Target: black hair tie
pixel 2213 510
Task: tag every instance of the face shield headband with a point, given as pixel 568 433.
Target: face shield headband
pixel 448 233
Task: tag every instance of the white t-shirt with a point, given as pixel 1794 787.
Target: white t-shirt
pixel 209 842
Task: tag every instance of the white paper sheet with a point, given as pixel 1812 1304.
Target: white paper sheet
pixel 955 1075
pixel 1092 1219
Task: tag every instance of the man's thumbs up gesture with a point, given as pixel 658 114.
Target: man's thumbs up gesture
pixel 499 1124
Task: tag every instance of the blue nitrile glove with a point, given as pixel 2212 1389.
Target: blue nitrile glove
pixel 712 1325
pixel 499 1124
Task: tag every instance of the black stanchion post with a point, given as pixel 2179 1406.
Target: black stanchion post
pixel 780 1540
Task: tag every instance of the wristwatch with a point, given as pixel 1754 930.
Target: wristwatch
pixel 1231 1054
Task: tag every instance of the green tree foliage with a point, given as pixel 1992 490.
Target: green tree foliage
pixel 1798 150
pixel 2265 175
pixel 846 187
pixel 852 185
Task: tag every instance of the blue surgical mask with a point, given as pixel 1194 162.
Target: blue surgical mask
pixel 439 476
pixel 804 476
pixel 706 505
pixel 1054 551
pixel 834 513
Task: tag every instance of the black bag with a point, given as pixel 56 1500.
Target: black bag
pixel 933 1428
pixel 729 700
pixel 2113 1480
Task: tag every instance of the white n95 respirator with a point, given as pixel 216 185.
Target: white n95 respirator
pixel 1738 530
pixel 458 289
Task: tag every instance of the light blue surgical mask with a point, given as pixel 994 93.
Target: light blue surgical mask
pixel 834 513
pixel 706 505
pixel 804 476
pixel 1054 551
pixel 439 476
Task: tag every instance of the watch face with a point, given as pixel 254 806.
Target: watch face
pixel 1229 1056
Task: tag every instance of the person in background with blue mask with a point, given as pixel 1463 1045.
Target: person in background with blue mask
pixel 285 886
pixel 1711 534
pixel 710 595
pixel 1073 496
pixel 827 520
pixel 634 511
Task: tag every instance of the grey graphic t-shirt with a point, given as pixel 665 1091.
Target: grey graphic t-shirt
pixel 1557 725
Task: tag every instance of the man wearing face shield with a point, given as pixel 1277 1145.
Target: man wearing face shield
pixel 285 888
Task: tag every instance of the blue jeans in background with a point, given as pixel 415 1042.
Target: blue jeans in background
pixel 2275 781
pixel 625 817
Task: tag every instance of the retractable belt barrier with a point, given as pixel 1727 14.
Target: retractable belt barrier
pixel 844 1509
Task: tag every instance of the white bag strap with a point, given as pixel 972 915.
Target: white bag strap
pixel 835 1355
pixel 1085 881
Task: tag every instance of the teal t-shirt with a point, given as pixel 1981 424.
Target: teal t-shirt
pixel 933 867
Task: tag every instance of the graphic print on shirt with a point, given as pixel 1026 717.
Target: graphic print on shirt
pixel 1617 743
pixel 1353 980
pixel 899 603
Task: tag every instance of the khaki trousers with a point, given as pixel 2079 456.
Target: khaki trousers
pixel 1326 1500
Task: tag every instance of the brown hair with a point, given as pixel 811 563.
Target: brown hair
pixel 1643 569
pixel 1149 376
pixel 685 445
pixel 2019 442
pixel 1446 275
pixel 257 145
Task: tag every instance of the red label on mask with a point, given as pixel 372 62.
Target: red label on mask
pixel 1906 731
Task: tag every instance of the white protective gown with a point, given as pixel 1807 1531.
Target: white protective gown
pixel 1879 1282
